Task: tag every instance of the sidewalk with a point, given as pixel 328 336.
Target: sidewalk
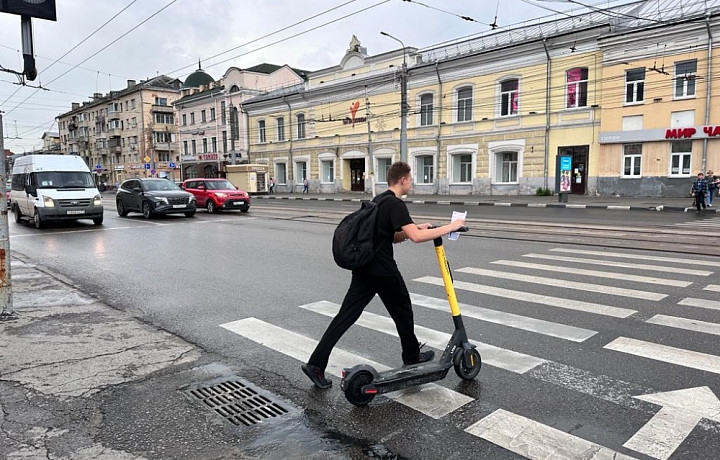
pixel 574 201
pixel 81 380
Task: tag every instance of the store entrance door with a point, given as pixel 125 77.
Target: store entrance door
pixel 579 156
pixel 357 175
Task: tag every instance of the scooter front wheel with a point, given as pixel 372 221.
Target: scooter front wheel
pixel 462 369
pixel 353 389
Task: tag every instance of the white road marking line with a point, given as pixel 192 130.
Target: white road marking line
pixel 608 263
pixel 595 273
pixel 700 303
pixel 685 323
pixel 637 256
pixel 558 302
pixel 536 441
pixel 561 331
pixel 430 399
pixel 679 356
pixel 589 287
pixel 712 287
pixel 512 361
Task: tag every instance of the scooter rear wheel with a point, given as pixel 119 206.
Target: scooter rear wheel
pixel 464 371
pixel 353 390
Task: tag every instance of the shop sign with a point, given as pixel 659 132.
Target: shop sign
pixel 660 134
pixel 208 156
pixel 351 120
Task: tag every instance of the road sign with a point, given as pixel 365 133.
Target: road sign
pixel 147 159
pixel 98 167
pixel 172 165
pixel 147 165
pixel 152 171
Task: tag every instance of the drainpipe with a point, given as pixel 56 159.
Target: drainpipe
pixel 291 172
pixel 708 79
pixel 246 135
pixel 547 113
pixel 437 138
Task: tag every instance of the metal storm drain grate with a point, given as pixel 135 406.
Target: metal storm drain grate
pixel 239 402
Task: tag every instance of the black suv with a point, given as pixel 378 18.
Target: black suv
pixel 153 196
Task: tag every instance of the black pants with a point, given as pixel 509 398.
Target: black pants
pixel 394 295
pixel 700 200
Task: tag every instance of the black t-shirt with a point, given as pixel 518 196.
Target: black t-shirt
pixel 391 217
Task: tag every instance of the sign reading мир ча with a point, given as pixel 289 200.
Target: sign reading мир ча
pixel 687 133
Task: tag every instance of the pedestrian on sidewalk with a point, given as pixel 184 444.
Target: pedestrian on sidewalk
pixel 713 184
pixel 271 186
pixel 699 190
pixel 381 276
pixel 305 186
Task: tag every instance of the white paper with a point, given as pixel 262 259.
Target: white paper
pixel 455 216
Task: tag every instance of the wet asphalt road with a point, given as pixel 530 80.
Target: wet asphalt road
pixel 189 276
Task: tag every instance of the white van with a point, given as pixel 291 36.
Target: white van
pixel 54 187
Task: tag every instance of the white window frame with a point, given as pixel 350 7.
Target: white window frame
pixel 681 156
pixel 417 173
pixel 298 124
pixel 634 84
pixel 276 169
pixel 376 167
pixel 452 155
pixel 456 102
pixel 296 172
pixel 501 93
pixel 326 158
pixel 497 147
pixel 280 129
pixel 686 81
pixel 419 117
pixel 262 131
pixel 634 158
pixel 578 86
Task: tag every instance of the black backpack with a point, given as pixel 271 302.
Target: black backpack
pixel 353 241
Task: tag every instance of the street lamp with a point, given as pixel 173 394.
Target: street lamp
pixel 403 101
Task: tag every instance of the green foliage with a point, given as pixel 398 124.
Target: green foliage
pixel 543 192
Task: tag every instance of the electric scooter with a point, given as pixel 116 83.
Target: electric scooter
pixel 362 383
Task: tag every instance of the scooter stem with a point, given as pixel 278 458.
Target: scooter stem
pixel 446 276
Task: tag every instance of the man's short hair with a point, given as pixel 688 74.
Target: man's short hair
pixel 397 171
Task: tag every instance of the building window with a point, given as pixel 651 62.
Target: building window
pixel 680 158
pixel 464 106
pixel 205 145
pixel 383 165
pixel 224 141
pixel 509 97
pixel 185 148
pixel 424 169
pixel 685 78
pixel 301 126
pixel 214 144
pixel 262 137
pixel 212 114
pixel 160 137
pixel 163 118
pixel 632 160
pixel 194 146
pixel 506 167
pixel 635 86
pixel 192 118
pixel 281 173
pixel 576 87
pixel 280 129
pixel 301 170
pixel 223 115
pixel 184 119
pixel 160 101
pixel 462 169
pixel 203 116
pixel 327 169
pixel 426 110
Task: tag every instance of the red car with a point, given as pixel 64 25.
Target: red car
pixel 216 194
pixel 8 187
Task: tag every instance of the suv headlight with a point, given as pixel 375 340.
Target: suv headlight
pixel 161 199
pixel 48 202
pixel 221 195
pixel 97 201
pixel 191 198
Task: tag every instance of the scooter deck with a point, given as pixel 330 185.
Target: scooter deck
pixel 399 379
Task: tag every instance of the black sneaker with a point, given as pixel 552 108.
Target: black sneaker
pixel 426 356
pixel 317 376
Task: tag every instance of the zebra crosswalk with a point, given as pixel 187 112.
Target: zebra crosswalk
pixel 585 312
pixel 710 223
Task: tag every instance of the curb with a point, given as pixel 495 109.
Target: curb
pixel 659 208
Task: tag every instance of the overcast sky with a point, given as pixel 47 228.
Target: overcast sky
pixel 172 41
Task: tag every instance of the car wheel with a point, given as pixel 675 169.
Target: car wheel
pixel 211 206
pixel 98 220
pixel 147 213
pixel 39 222
pixel 190 214
pixel 245 209
pixel 122 212
pixel 18 214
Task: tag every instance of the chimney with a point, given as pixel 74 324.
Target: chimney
pixel 75 105
pixel 130 83
pixel 97 95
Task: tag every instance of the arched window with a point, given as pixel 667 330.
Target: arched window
pixel 509 98
pixel 234 89
pixel 301 126
pixel 464 103
pixel 234 124
pixel 576 87
pixel 426 110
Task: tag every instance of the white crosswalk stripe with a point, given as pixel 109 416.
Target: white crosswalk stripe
pixel 562 331
pixel 667 354
pixel 700 303
pixel 512 361
pixel 589 287
pixel 686 323
pixel 557 302
pixel 712 222
pixel 610 263
pixel 432 400
pixel 594 273
pixel 622 255
pixel 712 287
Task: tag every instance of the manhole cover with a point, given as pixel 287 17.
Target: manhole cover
pixel 238 401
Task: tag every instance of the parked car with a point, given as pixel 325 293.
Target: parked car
pixel 216 194
pixel 153 196
pixel 8 187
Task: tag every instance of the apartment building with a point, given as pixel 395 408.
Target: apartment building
pixel 126 133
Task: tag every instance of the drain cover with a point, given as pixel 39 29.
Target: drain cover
pixel 238 401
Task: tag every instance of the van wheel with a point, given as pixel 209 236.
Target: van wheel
pixel 98 220
pixel 39 222
pixel 18 214
pixel 147 213
pixel 211 206
pixel 190 214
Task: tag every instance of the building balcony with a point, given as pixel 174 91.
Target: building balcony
pixel 115 149
pixel 114 132
pixel 164 146
pixel 162 108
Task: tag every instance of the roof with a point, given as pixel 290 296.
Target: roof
pixel 268 68
pixel 199 95
pixel 197 79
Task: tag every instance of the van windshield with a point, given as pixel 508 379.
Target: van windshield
pixel 65 179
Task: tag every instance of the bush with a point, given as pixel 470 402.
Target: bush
pixel 543 192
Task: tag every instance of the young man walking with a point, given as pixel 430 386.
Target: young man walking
pixel 382 277
pixel 699 190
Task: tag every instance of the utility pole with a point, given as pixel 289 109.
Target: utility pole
pixel 7 312
pixel 403 101
pixel 370 150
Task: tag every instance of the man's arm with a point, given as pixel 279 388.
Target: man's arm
pixel 416 234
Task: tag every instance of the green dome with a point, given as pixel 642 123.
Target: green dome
pixel 197 79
